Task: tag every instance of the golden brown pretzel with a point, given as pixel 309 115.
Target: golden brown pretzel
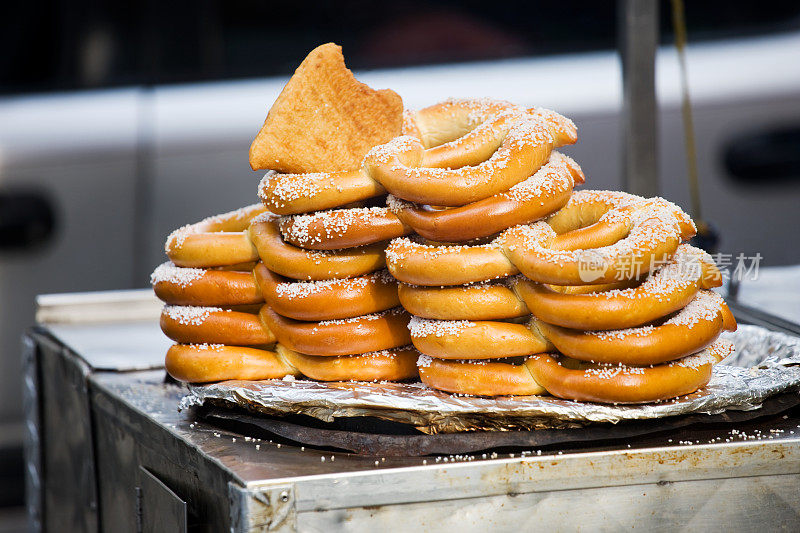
pixel 219 240
pixel 458 128
pixel 297 263
pixel 465 339
pixel 478 378
pixel 342 228
pixel 629 240
pixel 666 290
pixel 464 132
pixel 479 301
pixel 690 330
pixel 288 194
pixel 652 237
pixel 362 334
pixel 203 363
pixel 329 299
pixel 399 166
pixel 387 365
pixel 195 286
pixel 532 199
pixel 585 209
pixel 416 263
pixel 626 384
pixel 213 325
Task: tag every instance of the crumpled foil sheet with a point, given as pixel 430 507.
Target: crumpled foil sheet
pixel 765 363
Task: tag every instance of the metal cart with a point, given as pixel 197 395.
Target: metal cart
pixel 109 451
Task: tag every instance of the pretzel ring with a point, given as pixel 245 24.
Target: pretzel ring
pixel 386 365
pixel 289 194
pixel 666 290
pixel 462 132
pixel 342 228
pixel 464 339
pixel 585 211
pixel 634 237
pixel 361 334
pixel 214 325
pixel 653 235
pixel 456 131
pixel 203 363
pixel 611 383
pixel 440 265
pixel 219 240
pixel 478 378
pixel 530 200
pixel 329 299
pixel 399 166
pixel 195 286
pixel 297 263
pixel 692 329
pixel 480 301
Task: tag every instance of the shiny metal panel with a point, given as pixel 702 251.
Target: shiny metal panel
pixel 139 435
pixel 705 505
pixel 159 509
pixel 68 478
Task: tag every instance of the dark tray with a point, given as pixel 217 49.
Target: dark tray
pixel 371 436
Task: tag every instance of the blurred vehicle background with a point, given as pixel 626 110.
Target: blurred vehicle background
pixel 120 121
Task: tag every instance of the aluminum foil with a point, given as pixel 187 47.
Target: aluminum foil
pixel 765 363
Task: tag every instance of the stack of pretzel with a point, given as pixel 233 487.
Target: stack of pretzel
pixel 600 301
pixel 212 302
pixel 296 286
pixel 505 281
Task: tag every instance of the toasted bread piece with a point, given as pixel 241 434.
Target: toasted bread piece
pixel 325 119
